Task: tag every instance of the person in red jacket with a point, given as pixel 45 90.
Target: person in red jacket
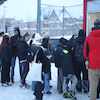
pixel 92 56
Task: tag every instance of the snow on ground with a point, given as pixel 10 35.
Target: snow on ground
pixel 16 93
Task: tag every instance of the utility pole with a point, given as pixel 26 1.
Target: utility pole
pixel 63 23
pixel 38 16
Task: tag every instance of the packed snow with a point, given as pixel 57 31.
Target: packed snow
pixel 14 92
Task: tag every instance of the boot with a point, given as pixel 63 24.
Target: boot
pixel 79 86
pixel 85 86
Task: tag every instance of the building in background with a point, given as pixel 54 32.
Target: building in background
pixel 50 24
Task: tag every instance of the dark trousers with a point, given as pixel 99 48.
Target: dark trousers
pixel 5 72
pixel 60 81
pixel 98 89
pixel 82 81
pixel 24 69
pixel 81 68
pixel 12 68
pixel 39 97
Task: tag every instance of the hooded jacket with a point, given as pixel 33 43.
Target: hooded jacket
pixel 92 49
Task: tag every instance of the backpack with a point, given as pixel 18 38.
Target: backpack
pixel 78 53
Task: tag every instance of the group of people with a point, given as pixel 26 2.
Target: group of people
pixel 17 46
pixel 77 61
pixel 70 62
pixel 10 48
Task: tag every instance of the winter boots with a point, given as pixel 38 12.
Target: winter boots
pixel 79 86
pixel 83 86
pixel 69 94
pixel 98 90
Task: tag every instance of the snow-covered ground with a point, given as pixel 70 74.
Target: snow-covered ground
pixel 16 93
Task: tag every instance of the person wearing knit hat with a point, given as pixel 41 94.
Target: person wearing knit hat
pixel 1 33
pixel 97 24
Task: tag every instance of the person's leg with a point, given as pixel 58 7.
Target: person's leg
pixel 84 71
pixel 8 73
pixel 12 68
pixel 25 71
pixel 85 81
pixel 65 84
pixel 77 70
pixel 20 70
pixel 46 83
pixel 73 83
pixel 60 81
pixel 3 73
pixel 98 89
pixel 93 80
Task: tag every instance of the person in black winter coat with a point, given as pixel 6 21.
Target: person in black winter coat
pixel 13 41
pixel 58 64
pixel 64 59
pixel 80 63
pixel 23 55
pixel 5 55
pixel 43 56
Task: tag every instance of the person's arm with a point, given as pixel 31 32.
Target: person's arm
pixel 86 52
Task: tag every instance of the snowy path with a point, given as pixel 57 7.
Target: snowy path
pixel 16 93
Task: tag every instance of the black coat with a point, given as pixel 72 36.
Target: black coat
pixel 6 54
pixel 13 41
pixel 23 50
pixel 63 58
pixel 41 57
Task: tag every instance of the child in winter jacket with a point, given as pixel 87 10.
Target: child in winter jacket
pixel 65 58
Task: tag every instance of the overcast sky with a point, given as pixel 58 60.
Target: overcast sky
pixel 26 9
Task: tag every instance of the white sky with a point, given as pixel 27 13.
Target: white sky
pixel 26 9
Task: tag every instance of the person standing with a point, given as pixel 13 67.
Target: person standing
pixel 5 55
pixel 14 40
pixel 58 65
pixel 65 58
pixel 92 57
pixel 44 56
pixel 24 53
pixel 79 63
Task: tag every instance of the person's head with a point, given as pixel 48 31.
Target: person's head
pixel 81 33
pixel 1 37
pixel 26 36
pixel 63 42
pixel 1 34
pixel 17 31
pixel 33 36
pixel 5 39
pixel 97 24
pixel 45 42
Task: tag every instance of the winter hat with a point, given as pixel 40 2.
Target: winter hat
pixel 97 24
pixel 63 41
pixel 1 33
pixel 81 32
pixel 45 42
